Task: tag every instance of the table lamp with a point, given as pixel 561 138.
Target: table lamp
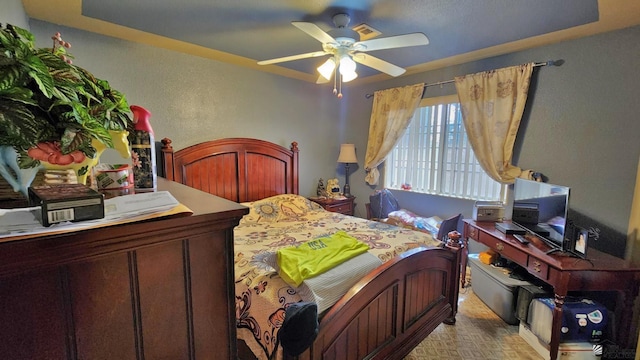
pixel 347 156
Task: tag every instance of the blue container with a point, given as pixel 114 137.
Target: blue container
pixel 583 320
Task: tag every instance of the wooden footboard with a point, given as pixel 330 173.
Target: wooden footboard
pixel 393 309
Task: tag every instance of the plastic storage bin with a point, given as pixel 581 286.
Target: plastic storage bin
pixel 526 294
pixel 495 288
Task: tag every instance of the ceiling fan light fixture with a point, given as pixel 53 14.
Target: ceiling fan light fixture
pixel 348 76
pixel 347 65
pixel 326 69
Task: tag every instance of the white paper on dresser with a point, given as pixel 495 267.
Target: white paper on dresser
pixel 23 221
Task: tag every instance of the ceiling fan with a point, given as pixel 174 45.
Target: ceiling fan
pixel 346 51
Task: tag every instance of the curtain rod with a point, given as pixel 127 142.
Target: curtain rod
pixel 546 63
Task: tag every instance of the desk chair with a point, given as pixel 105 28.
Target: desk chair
pixel 447 226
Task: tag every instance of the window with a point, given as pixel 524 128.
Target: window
pixel 434 156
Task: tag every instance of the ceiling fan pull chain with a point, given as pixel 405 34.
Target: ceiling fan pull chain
pixel 335 79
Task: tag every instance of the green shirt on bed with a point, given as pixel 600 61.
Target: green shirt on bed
pixel 314 257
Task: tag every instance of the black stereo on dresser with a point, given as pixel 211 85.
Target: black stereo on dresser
pixel 525 213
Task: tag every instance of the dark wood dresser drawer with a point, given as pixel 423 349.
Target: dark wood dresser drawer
pixel 341 208
pixel 503 248
pixel 538 267
pixel 472 232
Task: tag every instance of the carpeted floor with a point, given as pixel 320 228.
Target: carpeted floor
pixel 478 334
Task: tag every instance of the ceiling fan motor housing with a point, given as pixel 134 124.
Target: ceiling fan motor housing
pixel 341 20
pixel 342 34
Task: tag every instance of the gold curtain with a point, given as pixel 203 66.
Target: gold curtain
pixel 492 105
pixel 391 114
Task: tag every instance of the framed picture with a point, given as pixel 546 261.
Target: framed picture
pixel 580 243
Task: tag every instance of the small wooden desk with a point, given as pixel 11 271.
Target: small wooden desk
pixel 601 272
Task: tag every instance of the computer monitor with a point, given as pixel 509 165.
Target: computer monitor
pixel 543 209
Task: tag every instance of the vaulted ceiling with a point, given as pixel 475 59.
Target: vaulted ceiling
pixel 246 31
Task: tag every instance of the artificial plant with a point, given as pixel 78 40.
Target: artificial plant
pixel 45 98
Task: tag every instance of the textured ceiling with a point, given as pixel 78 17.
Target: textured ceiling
pixel 243 32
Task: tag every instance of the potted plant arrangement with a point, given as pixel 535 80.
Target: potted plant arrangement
pixel 52 113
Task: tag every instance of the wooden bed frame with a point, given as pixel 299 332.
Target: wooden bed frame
pixel 387 313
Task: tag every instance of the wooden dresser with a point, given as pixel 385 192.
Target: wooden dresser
pixel 158 289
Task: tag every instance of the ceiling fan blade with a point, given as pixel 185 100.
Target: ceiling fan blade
pixel 292 57
pixel 378 64
pixel 322 80
pixel 313 30
pixel 413 39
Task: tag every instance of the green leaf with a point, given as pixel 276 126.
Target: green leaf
pixel 27 36
pixel 67 76
pixel 73 140
pixel 19 124
pixel 10 76
pixel 22 95
pixel 13 41
pixel 61 95
pixel 6 59
pixel 55 63
pixel 46 87
pixel 25 161
pixel 83 170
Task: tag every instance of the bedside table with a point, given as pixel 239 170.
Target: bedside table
pixel 343 206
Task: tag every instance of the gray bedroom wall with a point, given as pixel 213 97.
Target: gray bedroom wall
pixel 580 127
pixel 194 99
pixel 13 13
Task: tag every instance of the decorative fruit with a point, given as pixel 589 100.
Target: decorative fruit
pixel 50 152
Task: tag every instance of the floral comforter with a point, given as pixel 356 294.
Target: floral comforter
pixel 288 220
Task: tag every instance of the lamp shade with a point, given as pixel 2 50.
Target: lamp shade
pixel 347 154
pixel 346 77
pixel 326 69
pixel 347 65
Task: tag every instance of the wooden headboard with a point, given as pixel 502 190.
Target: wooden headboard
pixel 238 169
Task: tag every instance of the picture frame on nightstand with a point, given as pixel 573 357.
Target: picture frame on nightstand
pixel 580 241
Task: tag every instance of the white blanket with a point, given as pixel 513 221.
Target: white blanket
pixel 327 288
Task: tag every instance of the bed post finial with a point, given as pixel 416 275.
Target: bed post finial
pixel 294 162
pixel 166 144
pixel 167 159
